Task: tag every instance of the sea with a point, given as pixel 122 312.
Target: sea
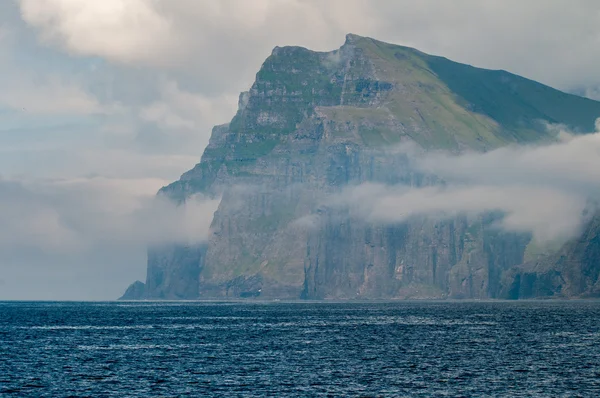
pixel 300 349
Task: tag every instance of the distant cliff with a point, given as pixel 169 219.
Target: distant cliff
pixel 574 271
pixel 313 123
pixel 135 291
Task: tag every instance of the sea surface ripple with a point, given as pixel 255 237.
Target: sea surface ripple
pixel 305 349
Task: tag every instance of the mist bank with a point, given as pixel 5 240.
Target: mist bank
pixel 549 190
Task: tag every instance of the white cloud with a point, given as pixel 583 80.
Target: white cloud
pixel 227 40
pixel 544 189
pixel 550 214
pixel 147 31
pixel 79 215
pixel 572 163
pixel 181 109
pixel 128 30
pixel 307 222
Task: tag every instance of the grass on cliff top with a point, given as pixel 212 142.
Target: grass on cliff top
pixel 426 105
pixel 370 126
pixel 513 101
pixel 451 104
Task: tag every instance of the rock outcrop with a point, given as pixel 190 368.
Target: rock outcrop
pixel 572 272
pixel 135 291
pixel 313 123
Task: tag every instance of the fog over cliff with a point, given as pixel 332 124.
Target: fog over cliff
pixel 543 189
pixel 548 190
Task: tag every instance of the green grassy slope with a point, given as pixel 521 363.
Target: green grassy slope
pixel 450 105
pixel 514 101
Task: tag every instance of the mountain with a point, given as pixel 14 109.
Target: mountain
pixel 315 122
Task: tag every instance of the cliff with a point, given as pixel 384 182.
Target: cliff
pixel 135 291
pixel 313 123
pixel 572 272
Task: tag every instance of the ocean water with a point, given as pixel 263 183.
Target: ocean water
pixel 203 349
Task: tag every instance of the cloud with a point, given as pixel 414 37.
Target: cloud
pixel 50 97
pixel 128 30
pixel 3 35
pixel 546 190
pixel 307 222
pixel 26 219
pixel 78 215
pixel 182 111
pixel 127 164
pixel 570 164
pixel 550 214
pixel 211 38
pixel 86 238
pixel 45 91
pixel 217 47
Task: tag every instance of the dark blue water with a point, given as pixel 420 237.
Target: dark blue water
pixel 300 349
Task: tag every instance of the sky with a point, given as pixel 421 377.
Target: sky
pixel 104 102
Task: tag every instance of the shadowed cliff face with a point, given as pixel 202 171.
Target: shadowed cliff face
pixel 315 123
pixel 574 271
pixel 135 291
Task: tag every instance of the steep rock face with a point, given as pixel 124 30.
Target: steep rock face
pixel 173 270
pixel 419 259
pixel 313 123
pixel 135 291
pixel 574 271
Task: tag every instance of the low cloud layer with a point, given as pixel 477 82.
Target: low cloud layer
pixel 77 215
pixel 549 214
pixel 547 190
pixel 87 237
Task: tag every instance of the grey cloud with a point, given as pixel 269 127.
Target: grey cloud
pixel 172 94
pixel 184 114
pixel 307 222
pixel 102 273
pixel 53 97
pixel 86 238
